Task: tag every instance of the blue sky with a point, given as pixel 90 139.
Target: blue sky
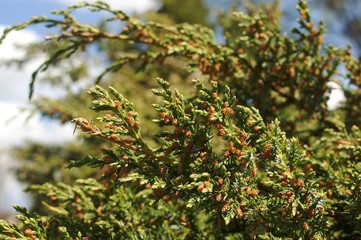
pixel 15 11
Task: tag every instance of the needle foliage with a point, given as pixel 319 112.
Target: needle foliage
pixel 249 149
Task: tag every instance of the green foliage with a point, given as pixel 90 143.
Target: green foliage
pixel 181 15
pixel 216 164
pixel 188 167
pixel 33 226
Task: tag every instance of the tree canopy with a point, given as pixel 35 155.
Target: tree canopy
pixel 234 141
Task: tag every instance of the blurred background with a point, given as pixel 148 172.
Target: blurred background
pixel 36 138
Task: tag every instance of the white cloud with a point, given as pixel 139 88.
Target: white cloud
pixel 128 6
pixel 16 127
pixel 14 89
pixel 336 96
pixel 14 81
pixel 9 48
pixel 11 191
